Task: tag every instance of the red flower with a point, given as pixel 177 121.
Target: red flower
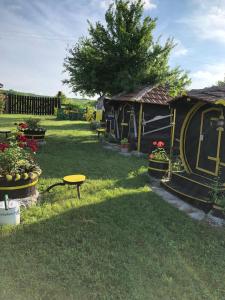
pixel 21 145
pixel 151 156
pixel 22 138
pixel 23 125
pixel 32 145
pixel 3 146
pixel 160 144
pixel 155 143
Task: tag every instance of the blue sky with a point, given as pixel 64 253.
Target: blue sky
pixel 34 36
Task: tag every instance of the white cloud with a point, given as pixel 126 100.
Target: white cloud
pixel 208 21
pixel 33 41
pixel 104 4
pixel 208 75
pixel 149 4
pixel 180 49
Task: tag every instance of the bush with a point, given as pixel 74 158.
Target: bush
pixel 2 103
pixel 90 114
pixel 95 125
pixel 68 114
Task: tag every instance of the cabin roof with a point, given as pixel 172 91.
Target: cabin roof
pixel 150 95
pixel 211 94
pixel 1 85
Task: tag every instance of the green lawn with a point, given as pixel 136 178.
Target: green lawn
pixel 120 241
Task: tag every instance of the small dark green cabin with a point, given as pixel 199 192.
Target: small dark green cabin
pixel 141 116
pixel 199 142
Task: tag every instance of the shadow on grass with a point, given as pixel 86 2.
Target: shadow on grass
pixel 85 155
pixel 126 247
pixel 78 126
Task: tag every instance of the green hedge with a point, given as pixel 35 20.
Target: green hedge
pixel 2 103
pixel 65 114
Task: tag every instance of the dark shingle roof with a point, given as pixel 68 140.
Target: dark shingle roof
pixel 211 94
pixel 152 95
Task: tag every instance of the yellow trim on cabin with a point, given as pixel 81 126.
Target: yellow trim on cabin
pixel 192 180
pixel 217 158
pixel 220 102
pixel 183 133
pixel 159 161
pixel 173 122
pixel 183 194
pixel 99 114
pixel 158 170
pixel 139 127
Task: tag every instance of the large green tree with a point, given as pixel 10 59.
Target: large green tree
pixel 221 83
pixel 122 54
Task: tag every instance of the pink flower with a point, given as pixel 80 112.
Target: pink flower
pixel 160 144
pixel 155 143
pixel 151 156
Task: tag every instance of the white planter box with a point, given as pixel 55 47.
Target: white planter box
pixel 11 216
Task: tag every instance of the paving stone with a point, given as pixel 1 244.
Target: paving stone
pixel 125 154
pixel 197 215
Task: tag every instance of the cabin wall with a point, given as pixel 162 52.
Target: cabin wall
pixel 151 111
pixel 182 108
pixel 198 140
pixel 128 123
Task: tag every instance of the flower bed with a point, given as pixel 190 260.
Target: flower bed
pixel 19 172
pixel 32 130
pixel 158 160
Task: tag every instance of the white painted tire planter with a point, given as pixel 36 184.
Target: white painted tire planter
pixel 10 216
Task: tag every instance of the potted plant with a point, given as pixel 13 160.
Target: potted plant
pixel 124 145
pixel 19 172
pixel 32 130
pixel 158 160
pixel 177 166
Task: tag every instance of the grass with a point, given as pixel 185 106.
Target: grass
pixel 120 241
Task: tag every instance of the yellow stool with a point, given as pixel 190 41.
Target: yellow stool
pixel 100 131
pixel 76 180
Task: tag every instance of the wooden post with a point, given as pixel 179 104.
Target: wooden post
pixel 140 127
pixel 173 122
pixel 59 99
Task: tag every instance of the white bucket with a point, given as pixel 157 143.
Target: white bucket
pixel 10 216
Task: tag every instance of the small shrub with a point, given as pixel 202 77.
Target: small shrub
pixel 90 114
pixel 124 141
pixel 33 123
pixel 95 125
pixel 2 103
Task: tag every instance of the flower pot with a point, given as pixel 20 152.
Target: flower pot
pixel 10 216
pixel 124 148
pixel 18 189
pixel 158 168
pixel 36 134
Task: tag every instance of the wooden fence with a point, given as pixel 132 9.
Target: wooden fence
pixel 33 105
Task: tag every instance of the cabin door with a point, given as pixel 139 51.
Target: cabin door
pixel 125 123
pixel 210 142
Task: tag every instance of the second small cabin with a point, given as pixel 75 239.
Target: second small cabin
pixel 141 116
